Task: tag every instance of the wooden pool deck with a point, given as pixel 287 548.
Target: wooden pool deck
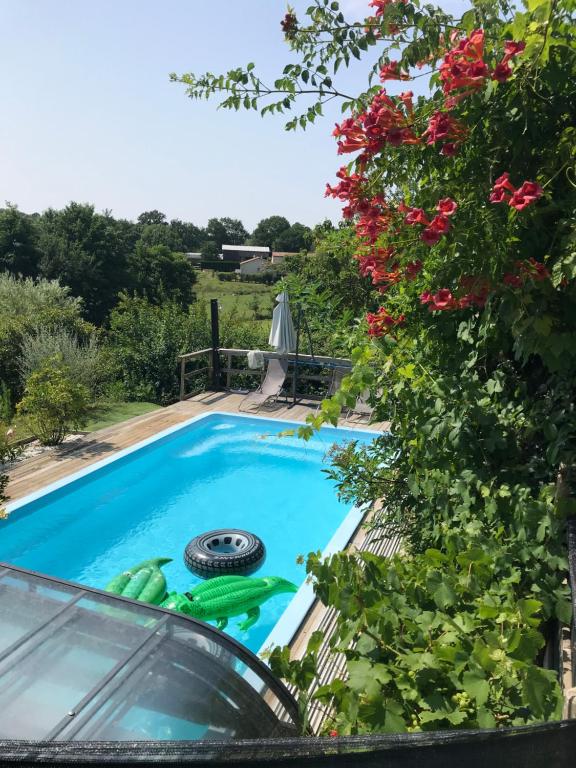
pixel 35 473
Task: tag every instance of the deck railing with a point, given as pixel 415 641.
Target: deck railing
pixel 229 368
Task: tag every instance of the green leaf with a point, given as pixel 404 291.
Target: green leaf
pixel 563 610
pixel 535 689
pixel 543 325
pixel 362 678
pixel 476 687
pixel 468 20
pixel 529 610
pixel 444 596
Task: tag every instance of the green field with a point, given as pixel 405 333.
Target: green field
pixel 252 301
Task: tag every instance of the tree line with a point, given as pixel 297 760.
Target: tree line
pixel 99 256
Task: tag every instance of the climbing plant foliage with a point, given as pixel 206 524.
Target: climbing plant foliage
pixel 462 200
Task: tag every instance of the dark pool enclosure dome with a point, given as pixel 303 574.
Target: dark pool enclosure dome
pixel 92 679
pixel 78 664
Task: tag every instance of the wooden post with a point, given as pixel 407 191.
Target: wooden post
pixel 215 344
pixel 182 379
pixel 295 364
pixel 228 366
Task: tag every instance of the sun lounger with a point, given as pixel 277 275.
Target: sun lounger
pixel 270 388
pixel 335 382
pixel 361 410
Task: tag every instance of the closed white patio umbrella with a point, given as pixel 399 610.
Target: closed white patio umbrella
pixel 282 333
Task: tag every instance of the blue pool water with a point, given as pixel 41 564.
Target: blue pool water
pixel 219 471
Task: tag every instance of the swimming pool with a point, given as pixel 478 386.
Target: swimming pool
pixel 215 471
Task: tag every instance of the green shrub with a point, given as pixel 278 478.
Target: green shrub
pixel 8 452
pixel 6 408
pixel 28 298
pixel 144 344
pixel 25 307
pixel 269 275
pixel 53 403
pixel 437 640
pixel 83 360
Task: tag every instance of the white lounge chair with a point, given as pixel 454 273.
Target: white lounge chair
pixel 270 388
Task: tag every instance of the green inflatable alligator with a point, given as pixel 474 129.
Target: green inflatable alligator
pixel 222 597
pixel 144 581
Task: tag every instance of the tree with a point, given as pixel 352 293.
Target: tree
pixel 152 217
pixel 145 341
pixel 295 238
pixel 463 209
pixel 188 234
pixel 226 231
pixel 161 234
pixel 268 230
pixel 19 253
pixel 161 275
pixel 322 230
pixel 83 250
pixel 209 250
pixel 332 267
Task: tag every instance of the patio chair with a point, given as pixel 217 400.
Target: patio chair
pixel 361 409
pixel 269 389
pixel 335 382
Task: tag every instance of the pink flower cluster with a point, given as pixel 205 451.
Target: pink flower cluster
pixel 476 296
pixel 504 192
pixel 374 216
pixel 527 270
pixel 382 266
pixel 381 5
pixel 438 226
pixel 443 127
pixel 392 71
pixel 382 322
pixel 385 121
pixel 463 69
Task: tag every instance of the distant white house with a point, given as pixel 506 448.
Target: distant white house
pixel 244 252
pixel 252 266
pixel 193 257
pixel 279 256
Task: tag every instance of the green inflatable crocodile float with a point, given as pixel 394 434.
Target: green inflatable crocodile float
pixel 144 581
pixel 220 598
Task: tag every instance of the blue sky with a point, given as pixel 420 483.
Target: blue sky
pixel 89 113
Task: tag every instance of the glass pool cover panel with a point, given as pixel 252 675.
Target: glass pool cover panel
pixel 78 664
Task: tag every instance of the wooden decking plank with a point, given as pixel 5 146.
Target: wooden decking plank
pixel 333 665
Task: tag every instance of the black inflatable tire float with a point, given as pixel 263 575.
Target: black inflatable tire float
pixel 225 552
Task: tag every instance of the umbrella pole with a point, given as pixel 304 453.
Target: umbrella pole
pixel 295 371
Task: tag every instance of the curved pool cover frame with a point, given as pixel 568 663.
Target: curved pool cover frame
pixel 275 711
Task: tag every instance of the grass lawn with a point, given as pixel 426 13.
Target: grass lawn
pixel 106 414
pixel 101 415
pixel 252 301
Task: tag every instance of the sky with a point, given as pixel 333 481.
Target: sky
pixel 89 113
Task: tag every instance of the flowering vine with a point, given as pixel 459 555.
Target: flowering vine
pixel 389 120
